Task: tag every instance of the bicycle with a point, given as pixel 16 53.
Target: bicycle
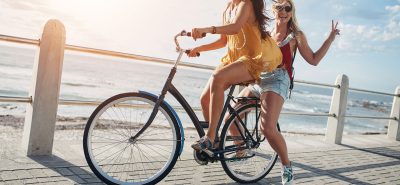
pixel 137 137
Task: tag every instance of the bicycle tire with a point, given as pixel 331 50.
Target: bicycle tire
pixel 146 160
pixel 254 168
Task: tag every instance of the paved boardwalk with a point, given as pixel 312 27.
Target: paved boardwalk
pixel 361 159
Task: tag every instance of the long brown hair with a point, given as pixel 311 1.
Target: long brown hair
pixel 262 19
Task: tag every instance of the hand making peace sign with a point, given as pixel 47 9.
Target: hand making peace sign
pixel 335 31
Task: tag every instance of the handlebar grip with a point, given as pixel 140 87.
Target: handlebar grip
pixel 188 51
pixel 189 34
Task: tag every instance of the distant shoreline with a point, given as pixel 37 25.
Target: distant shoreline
pixel 78 123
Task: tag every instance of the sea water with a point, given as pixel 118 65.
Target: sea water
pixel 95 78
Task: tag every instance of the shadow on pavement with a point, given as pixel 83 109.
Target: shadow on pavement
pixel 382 151
pixel 76 174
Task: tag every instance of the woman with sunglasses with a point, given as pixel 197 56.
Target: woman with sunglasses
pixel 251 51
pixel 274 87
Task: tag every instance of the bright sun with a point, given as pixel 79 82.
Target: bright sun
pixel 86 9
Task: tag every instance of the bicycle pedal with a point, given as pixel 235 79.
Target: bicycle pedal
pixel 208 152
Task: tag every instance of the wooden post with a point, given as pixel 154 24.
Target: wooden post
pixel 41 114
pixel 335 125
pixel 393 128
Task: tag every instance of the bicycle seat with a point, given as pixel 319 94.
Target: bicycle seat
pixel 245 100
pixel 246 83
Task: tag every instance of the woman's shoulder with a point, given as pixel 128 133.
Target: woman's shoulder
pixel 299 37
pixel 299 33
pixel 247 3
pixel 228 5
pixel 296 33
pixel 242 3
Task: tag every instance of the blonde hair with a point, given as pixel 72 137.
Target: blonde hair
pixel 293 25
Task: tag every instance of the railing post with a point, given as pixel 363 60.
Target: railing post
pixel 334 130
pixel 41 114
pixel 394 125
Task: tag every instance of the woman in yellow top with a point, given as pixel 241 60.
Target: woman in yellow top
pixel 250 52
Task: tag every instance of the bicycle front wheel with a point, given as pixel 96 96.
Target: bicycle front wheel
pixel 117 155
pixel 259 157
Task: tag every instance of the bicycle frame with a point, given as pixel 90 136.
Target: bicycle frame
pixel 169 87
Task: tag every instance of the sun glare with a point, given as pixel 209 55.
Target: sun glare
pixel 85 9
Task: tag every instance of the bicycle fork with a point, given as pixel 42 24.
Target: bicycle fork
pixel 160 99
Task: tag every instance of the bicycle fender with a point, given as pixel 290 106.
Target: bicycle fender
pixel 175 115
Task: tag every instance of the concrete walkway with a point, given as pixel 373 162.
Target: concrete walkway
pixel 361 159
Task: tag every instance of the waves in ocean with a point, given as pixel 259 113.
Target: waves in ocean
pixel 95 78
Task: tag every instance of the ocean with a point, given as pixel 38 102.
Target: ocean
pixel 96 78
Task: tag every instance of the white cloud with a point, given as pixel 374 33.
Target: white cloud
pixel 361 38
pixel 392 29
pixel 360 32
pixel 371 37
pixel 395 8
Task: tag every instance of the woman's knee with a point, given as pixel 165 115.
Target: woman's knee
pixel 205 99
pixel 218 80
pixel 269 130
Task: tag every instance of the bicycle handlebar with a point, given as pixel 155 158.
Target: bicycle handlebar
pixel 188 34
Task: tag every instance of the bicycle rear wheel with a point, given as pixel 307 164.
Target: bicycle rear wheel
pixel 116 156
pixel 260 157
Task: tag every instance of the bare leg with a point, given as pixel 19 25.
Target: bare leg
pixel 221 80
pixel 233 128
pixel 271 106
pixel 205 101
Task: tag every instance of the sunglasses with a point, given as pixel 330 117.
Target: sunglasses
pixel 282 7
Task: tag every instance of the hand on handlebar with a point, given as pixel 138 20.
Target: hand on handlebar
pixel 198 33
pixel 190 52
pixel 193 52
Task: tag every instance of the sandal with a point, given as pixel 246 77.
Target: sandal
pixel 240 154
pixel 202 144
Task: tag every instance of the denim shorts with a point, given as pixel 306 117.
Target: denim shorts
pixel 277 81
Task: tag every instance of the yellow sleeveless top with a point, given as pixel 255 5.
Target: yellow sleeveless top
pixel 257 54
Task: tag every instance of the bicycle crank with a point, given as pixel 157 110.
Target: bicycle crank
pixel 200 157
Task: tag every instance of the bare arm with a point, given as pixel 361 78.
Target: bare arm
pixel 233 28
pixel 314 58
pixel 220 43
pixel 243 13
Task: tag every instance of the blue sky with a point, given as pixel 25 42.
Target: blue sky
pixel 367 50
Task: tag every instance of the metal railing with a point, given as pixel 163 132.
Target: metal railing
pixel 127 56
pixel 317 84
pixel 166 61
pixel 15 99
pixel 372 117
pixel 374 92
pixel 105 52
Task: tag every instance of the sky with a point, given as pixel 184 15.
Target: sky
pixel 367 51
